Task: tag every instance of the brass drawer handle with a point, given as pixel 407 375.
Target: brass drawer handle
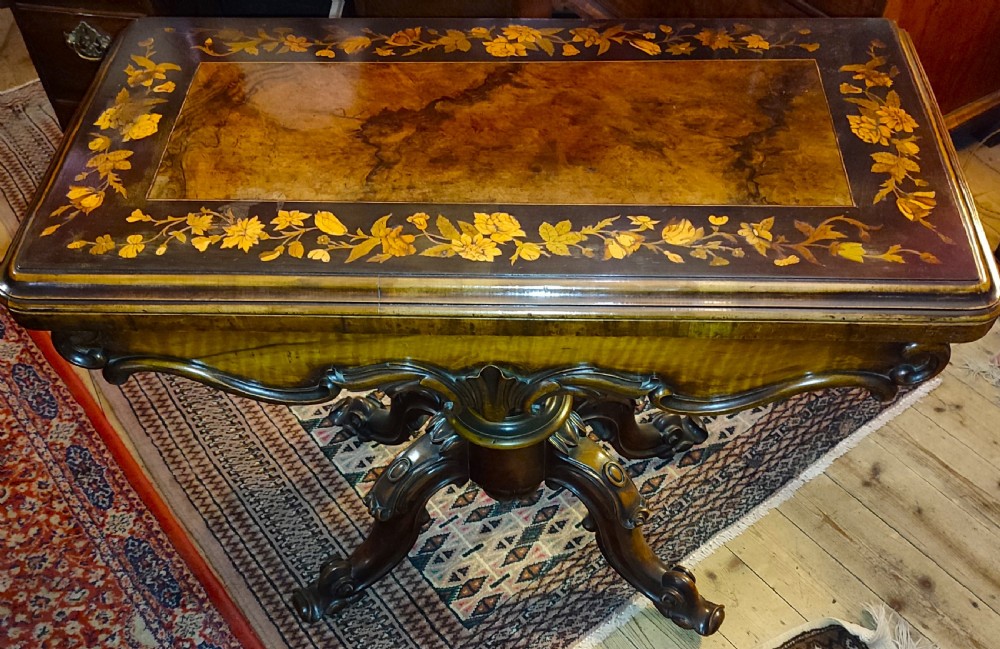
pixel 88 42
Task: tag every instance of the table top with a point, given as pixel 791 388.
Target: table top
pixel 778 168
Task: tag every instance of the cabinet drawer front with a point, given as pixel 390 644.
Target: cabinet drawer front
pixel 66 73
pixel 121 7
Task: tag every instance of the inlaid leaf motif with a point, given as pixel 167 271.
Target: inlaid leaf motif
pixel 559 237
pixel 882 121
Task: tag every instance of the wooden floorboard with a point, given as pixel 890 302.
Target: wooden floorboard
pixel 910 517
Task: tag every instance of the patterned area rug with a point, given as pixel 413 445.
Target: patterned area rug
pixel 28 137
pixel 271 491
pixel 268 492
pixel 84 562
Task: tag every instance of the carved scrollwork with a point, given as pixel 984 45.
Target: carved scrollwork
pixel 501 407
pixel 667 434
pixel 369 420
pixel 920 363
pixel 439 452
pixel 82 348
pixel 579 460
pixel 335 582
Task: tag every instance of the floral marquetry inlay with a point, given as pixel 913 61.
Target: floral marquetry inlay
pixel 883 123
pixel 510 41
pixel 782 155
pixel 323 237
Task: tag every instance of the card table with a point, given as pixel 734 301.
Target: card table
pixel 516 230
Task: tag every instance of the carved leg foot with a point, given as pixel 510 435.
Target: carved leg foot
pixel 617 512
pixel 397 501
pixel 369 420
pixel 614 421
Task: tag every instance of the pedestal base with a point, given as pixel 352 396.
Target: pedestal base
pixel 567 458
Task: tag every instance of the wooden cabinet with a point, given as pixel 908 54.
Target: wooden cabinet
pixel 66 38
pixel 958 42
pixel 65 44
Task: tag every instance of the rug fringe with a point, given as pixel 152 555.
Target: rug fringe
pixel 640 603
pixel 814 471
pixel 7 91
pixel 891 631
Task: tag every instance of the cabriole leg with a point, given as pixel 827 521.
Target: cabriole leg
pixel 397 501
pixel 617 512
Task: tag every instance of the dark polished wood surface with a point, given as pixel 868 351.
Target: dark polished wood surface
pixel 694 157
pixel 485 185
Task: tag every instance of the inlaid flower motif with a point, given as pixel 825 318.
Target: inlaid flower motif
pixel 501 47
pixel 109 118
pixel 476 247
pixel 681 233
pixel 244 234
pixel 404 37
pixel 321 237
pixel 643 222
pixel 870 129
pixel 133 246
pixel 198 222
pixel 622 244
pixel 293 43
pixel 85 199
pixel 394 242
pixel 870 75
pixel 756 42
pixel 589 37
pixel 717 39
pixel 883 121
pixel 758 235
pixel 420 220
pixel 896 118
pixel 522 34
pixel 498 226
pixel 147 73
pixel 289 218
pixel 852 250
pixel 103 244
pixel 506 41
pixel 142 126
pixel 680 49
pixel 916 206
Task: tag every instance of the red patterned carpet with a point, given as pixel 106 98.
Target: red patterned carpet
pixel 88 555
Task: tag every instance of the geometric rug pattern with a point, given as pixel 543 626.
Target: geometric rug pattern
pixel 276 490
